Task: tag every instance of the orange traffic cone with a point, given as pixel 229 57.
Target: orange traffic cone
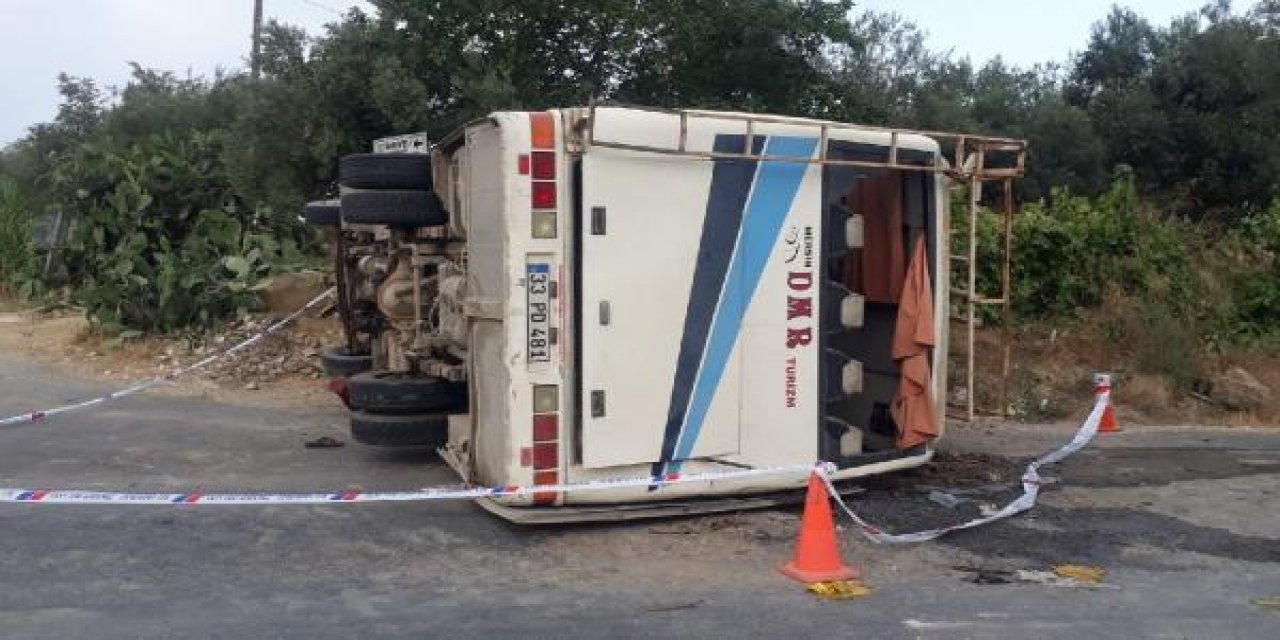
pixel 817 558
pixel 1107 424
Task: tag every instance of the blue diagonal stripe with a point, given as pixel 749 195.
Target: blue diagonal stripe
pixel 775 190
pixel 731 181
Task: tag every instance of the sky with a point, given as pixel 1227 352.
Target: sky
pixel 98 38
pixel 1022 32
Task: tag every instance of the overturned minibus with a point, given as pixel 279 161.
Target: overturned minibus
pixel 614 291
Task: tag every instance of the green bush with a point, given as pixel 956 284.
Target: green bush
pixel 160 242
pixel 15 233
pixel 1162 289
pixel 1258 289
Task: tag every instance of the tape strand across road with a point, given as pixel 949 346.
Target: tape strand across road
pixel 1030 484
pixel 88 496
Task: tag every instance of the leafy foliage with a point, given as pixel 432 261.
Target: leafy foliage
pixel 160 244
pixel 1168 290
pixel 15 235
pixel 187 187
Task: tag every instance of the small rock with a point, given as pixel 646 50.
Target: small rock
pixel 945 499
pixel 1238 390
pixel 251 386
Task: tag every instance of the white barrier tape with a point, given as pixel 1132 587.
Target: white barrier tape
pixel 1030 484
pixel 36 416
pixel 83 496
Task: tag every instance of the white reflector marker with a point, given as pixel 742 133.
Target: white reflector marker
pixel 853 310
pixel 851 377
pixel 853 231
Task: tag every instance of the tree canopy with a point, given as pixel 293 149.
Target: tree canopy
pixel 200 179
pixel 1192 107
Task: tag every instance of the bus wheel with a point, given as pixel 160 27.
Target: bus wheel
pixel 339 362
pixel 322 213
pixel 400 393
pixel 394 208
pixel 400 431
pixel 385 171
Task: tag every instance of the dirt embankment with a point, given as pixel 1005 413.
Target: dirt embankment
pixel 1052 370
pixel 283 370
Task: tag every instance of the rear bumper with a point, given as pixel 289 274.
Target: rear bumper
pixel 623 512
pixel 685 498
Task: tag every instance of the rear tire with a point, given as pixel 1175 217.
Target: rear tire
pixel 385 171
pixel 394 208
pixel 322 213
pixel 431 430
pixel 397 393
pixel 339 362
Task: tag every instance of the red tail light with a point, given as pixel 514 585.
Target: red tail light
pixel 546 427
pixel 544 165
pixel 544 478
pixel 546 455
pixel 544 195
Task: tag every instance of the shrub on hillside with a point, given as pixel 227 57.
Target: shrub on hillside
pixel 1160 288
pixel 161 243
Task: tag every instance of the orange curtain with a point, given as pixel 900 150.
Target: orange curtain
pixel 877 270
pixel 913 336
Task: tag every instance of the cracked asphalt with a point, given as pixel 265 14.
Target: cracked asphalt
pixel 1185 520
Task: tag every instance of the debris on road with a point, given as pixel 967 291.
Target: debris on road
pixel 1067 575
pixel 1052 579
pixel 684 606
pixel 1270 603
pixel 988 576
pixel 842 590
pixel 323 442
pixel 1081 573
pixel 945 499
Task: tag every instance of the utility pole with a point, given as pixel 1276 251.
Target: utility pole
pixel 255 59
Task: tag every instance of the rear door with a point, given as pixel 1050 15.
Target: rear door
pixel 656 244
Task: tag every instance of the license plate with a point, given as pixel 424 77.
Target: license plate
pixel 539 287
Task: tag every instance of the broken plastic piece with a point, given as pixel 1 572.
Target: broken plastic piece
pixel 842 590
pixel 1080 572
pixel 1051 579
pixel 1271 603
pixel 945 499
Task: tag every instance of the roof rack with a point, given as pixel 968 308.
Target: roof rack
pixel 968 159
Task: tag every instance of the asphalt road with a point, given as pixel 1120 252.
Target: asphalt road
pixel 1185 521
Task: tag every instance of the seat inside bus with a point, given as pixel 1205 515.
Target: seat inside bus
pixel 893 209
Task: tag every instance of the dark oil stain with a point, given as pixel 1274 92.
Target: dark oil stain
pixel 1103 537
pixel 1132 467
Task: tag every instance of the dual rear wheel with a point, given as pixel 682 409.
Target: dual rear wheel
pixel 392 408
